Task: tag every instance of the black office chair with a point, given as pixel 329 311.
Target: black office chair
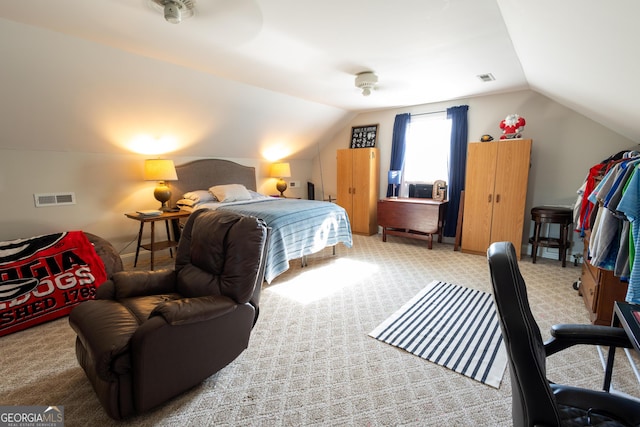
pixel 536 401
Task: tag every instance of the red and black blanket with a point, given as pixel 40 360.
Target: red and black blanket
pixel 43 278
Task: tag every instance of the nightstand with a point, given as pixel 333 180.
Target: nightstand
pixel 153 246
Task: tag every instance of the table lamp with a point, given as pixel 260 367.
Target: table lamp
pixel 395 178
pixel 160 170
pixel 281 170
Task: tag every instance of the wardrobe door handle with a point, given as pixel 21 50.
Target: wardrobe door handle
pixel 489 200
pixel 497 198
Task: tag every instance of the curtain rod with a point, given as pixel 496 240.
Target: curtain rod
pixel 432 112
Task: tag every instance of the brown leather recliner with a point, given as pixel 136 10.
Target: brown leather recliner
pixel 150 335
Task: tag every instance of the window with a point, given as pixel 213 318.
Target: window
pixel 426 156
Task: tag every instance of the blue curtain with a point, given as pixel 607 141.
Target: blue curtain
pixel 457 165
pixel 398 144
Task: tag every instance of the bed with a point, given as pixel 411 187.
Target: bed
pixel 299 227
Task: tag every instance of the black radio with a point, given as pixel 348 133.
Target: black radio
pixel 421 191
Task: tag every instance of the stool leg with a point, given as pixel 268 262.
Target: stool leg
pixel 564 237
pixel 536 239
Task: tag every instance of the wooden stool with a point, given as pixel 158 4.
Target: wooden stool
pixel 551 215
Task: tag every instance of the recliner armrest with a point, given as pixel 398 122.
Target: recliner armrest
pixel 127 284
pixel 105 328
pixel 106 291
pixel 193 310
pixel 566 335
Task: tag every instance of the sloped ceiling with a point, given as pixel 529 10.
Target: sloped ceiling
pixel 283 70
pixel 582 54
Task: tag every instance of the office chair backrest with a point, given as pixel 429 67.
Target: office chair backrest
pixel 533 400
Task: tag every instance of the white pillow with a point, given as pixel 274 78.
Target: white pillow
pixel 230 192
pixel 199 196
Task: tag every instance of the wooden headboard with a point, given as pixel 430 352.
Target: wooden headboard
pixel 205 173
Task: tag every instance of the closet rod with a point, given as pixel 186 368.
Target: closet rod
pixel 432 112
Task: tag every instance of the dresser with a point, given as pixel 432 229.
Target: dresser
pixel 599 289
pixel 412 217
pixel 359 186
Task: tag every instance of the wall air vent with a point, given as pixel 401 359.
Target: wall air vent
pixel 488 77
pixel 54 199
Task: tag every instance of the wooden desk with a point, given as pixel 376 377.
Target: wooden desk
pixel 167 217
pixel 412 217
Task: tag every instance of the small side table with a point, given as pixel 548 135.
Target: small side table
pixel 156 246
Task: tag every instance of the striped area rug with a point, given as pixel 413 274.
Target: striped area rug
pixel 453 326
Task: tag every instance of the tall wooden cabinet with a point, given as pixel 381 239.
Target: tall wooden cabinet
pixel 358 187
pixel 495 194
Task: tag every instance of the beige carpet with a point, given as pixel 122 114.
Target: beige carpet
pixel 310 361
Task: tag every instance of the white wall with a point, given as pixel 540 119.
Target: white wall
pixel 565 143
pixel 106 186
pixel 71 109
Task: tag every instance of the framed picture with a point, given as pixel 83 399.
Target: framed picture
pixel 364 136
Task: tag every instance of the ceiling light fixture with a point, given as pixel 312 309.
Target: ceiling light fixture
pixel 175 10
pixel 366 81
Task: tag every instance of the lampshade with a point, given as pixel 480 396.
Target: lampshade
pixel 159 170
pixel 395 177
pixel 280 170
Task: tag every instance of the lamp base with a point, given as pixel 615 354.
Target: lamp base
pixel 394 195
pixel 162 194
pixel 281 186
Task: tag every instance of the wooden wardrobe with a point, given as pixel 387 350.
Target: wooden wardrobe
pixel 495 194
pixel 358 187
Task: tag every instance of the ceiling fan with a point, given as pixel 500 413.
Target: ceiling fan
pixel 175 10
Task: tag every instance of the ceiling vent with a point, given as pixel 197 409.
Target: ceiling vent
pixel 488 77
pixel 54 199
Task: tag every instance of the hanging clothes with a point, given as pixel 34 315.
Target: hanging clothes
pixel 630 206
pixel 608 206
pixel 606 229
pixel 586 208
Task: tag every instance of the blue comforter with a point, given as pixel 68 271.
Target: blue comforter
pixel 299 228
